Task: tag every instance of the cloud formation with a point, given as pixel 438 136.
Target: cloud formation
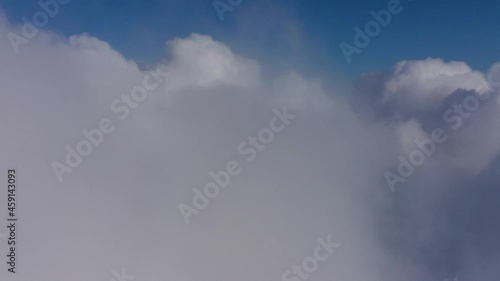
pixel 322 176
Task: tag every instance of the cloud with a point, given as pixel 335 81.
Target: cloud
pixel 199 60
pixel 419 96
pixel 322 176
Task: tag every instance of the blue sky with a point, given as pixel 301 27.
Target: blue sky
pixel 452 30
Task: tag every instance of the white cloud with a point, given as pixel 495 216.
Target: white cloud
pixel 119 209
pixel 199 60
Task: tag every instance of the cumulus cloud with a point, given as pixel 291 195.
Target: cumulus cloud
pixel 419 96
pixel 199 60
pixel 323 175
